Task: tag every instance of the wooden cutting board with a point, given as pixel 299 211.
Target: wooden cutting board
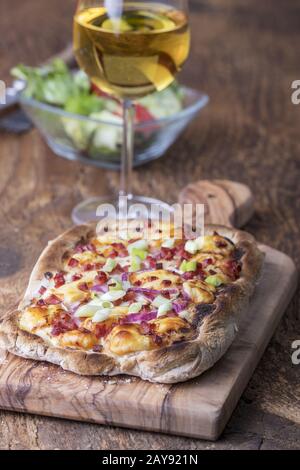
pixel 198 408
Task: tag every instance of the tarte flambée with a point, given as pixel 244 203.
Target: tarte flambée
pixel 164 310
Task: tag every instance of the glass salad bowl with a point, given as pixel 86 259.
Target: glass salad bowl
pixel 97 139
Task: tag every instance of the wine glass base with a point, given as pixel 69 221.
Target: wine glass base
pixel 133 207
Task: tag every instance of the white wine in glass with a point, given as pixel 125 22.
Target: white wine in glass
pixel 129 50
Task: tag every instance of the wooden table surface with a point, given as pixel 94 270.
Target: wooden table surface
pixel 245 56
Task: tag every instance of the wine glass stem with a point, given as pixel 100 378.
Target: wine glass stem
pixel 128 149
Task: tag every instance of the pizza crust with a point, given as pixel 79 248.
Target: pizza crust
pixel 176 363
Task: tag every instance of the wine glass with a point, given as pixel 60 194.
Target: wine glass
pixel 129 49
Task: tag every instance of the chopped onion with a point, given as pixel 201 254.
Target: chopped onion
pixel 139 245
pixel 179 305
pixel 86 311
pixel 135 307
pixel 140 317
pixel 191 246
pixel 184 314
pixel 109 265
pixel 164 308
pixel 152 292
pixel 186 296
pixel 101 315
pixel 135 264
pixel 113 295
pixel 160 300
pixel 168 243
pixel 97 288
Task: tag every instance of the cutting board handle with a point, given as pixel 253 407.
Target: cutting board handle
pixel 226 202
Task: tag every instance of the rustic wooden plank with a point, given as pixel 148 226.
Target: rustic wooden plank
pixel 199 408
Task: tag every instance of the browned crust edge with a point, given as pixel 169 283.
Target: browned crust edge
pixel 176 363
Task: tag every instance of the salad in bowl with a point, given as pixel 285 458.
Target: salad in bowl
pixel 79 121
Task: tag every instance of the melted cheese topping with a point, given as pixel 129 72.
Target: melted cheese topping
pixel 77 340
pixel 70 293
pixel 159 284
pixel 32 319
pixel 216 244
pixel 169 324
pixel 127 339
pixel 155 279
pixel 199 292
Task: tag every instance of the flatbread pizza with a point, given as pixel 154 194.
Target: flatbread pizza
pixel 163 309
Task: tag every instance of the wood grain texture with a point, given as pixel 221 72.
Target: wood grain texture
pixel 225 202
pixel 245 57
pixel 198 408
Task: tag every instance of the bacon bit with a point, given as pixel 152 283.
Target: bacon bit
pixel 59 280
pixel 137 283
pixel 83 287
pixel 118 250
pixel 118 270
pixel 73 263
pixel 166 294
pixel 153 278
pixel 48 275
pixel 41 303
pixel 118 246
pixel 113 254
pixel 129 297
pixel 189 275
pixel 201 275
pixel 147 308
pixel 88 267
pixel 221 243
pixel 233 268
pixel 212 272
pixel 151 262
pixel 159 266
pixel 171 314
pixel 166 253
pixel 180 251
pixel 42 290
pixel 101 278
pixel 199 271
pixel 98 266
pixel 147 328
pixel 102 330
pixel 52 300
pixel 117 303
pixel 157 340
pixel 76 277
pixel 207 262
pixel 166 283
pixel 83 330
pixel 123 253
pixel 64 322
